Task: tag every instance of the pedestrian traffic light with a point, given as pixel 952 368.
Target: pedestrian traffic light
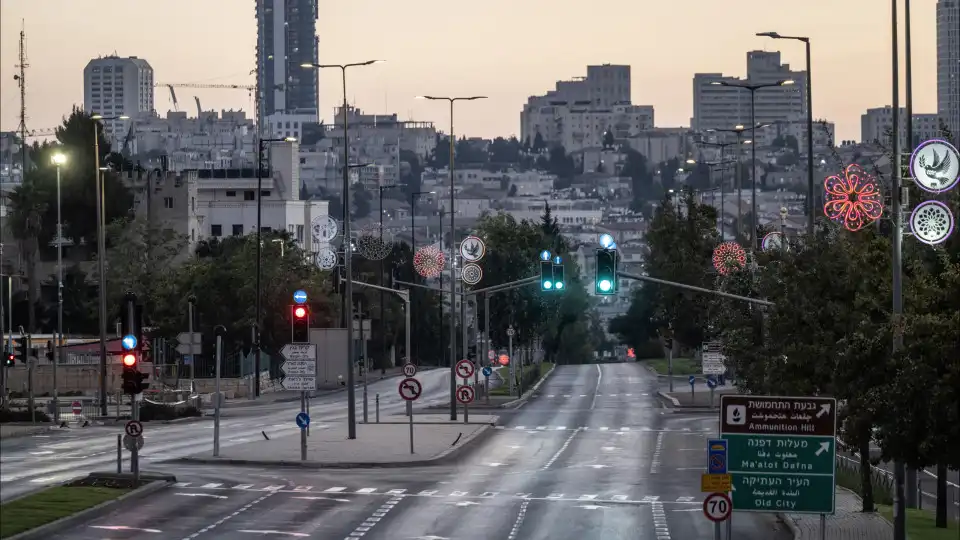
pixel 558 282
pixel 299 323
pixel 9 360
pixel 606 278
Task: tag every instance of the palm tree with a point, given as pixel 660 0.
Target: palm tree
pixel 27 207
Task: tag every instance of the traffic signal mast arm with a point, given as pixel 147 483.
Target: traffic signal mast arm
pixel 490 289
pixel 695 288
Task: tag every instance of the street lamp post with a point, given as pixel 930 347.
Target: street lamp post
pixel 261 143
pixel 383 335
pixel 722 147
pixel 58 160
pixel 753 148
pixel 101 255
pixel 453 254
pixel 811 197
pixel 738 131
pixel 348 253
pixel 413 236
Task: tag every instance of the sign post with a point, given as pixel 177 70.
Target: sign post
pixel 712 385
pixel 465 370
pixel 781 452
pixel 410 390
pixel 693 382
pixel 487 371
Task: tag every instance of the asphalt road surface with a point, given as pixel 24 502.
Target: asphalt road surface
pixel 592 456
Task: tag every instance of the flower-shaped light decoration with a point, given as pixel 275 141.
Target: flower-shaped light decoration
pixel 428 261
pixel 728 257
pixel 853 199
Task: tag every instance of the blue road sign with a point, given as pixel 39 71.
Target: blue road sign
pixel 717 456
pixel 303 420
pixel 300 297
pixel 487 371
pixel 692 380
pixel 129 342
pixel 711 382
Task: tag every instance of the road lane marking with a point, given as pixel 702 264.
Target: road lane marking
pixel 125 528
pixel 210 495
pixel 660 527
pixel 560 451
pixel 655 463
pixel 375 518
pixel 296 534
pixel 596 391
pixel 219 522
pixel 519 521
pixel 337 489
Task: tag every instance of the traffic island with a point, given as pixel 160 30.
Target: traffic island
pixel 43 514
pixel 436 440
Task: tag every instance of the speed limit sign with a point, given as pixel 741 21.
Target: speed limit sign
pixel 717 507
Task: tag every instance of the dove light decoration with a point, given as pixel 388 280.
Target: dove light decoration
pixel 935 166
pixel 853 199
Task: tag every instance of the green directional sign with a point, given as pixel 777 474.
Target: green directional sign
pixel 781 452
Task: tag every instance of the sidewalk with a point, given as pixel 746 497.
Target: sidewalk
pixel 436 440
pixel 682 397
pixel 849 523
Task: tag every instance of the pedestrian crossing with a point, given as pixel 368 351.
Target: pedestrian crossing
pixel 590 395
pixel 435 492
pixel 624 429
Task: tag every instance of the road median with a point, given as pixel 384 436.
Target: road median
pixel 437 440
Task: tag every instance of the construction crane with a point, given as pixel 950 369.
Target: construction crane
pixel 252 88
pixel 35 133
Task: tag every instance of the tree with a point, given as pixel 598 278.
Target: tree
pixel 539 145
pixel 608 140
pixel 440 155
pixel 637 168
pixel 410 175
pixel 505 150
pixel 79 304
pixel 362 201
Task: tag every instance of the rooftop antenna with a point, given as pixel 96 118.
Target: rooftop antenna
pixel 21 79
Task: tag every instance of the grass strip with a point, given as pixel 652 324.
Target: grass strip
pixel 921 524
pixel 681 366
pixel 50 505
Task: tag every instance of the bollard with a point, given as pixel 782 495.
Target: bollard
pixel 378 408
pixel 119 454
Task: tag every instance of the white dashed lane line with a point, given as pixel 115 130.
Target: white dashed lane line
pixel 375 518
pixel 519 522
pixel 230 516
pixel 655 463
pixel 660 526
pixel 560 451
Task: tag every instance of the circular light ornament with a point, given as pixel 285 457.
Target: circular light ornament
pixel 932 222
pixel 471 273
pixel 605 285
pixel 853 199
pixel 728 257
pixel 326 259
pixel 772 241
pixel 373 244
pixel 428 261
pixel 935 166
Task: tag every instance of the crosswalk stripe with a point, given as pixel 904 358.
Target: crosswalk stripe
pixel 212 485
pixel 561 428
pixel 366 490
pixel 337 489
pixel 541 428
pixel 604 428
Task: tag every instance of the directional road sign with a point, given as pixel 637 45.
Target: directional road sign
pixel 409 370
pixel 711 382
pixel 487 371
pixel 133 428
pixel 717 507
pixel 692 380
pixel 303 384
pixel 464 394
pixel 303 420
pixel 132 442
pixel 188 345
pixel 410 389
pixel 716 483
pixel 465 369
pixel 299 366
pixel 717 456
pixel 781 452
pixel 299 296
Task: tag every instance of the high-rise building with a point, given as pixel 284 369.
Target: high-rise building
pixel 948 64
pixel 115 86
pixel 722 107
pixel 287 38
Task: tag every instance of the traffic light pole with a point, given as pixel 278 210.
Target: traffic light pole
pixel 694 288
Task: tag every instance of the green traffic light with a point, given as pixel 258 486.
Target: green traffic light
pixel 559 285
pixel 605 285
pixel 547 285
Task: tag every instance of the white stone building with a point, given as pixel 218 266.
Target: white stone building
pixel 875 122
pixel 116 86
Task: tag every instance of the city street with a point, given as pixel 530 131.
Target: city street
pixel 591 455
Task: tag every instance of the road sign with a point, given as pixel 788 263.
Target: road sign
pixel 409 370
pixel 472 249
pixel 303 384
pixel 410 389
pixel 716 483
pixel 133 428
pixel 299 366
pixel 491 354
pixel 781 452
pixel 511 332
pixel 935 166
pixel 131 443
pixel 711 382
pixel 692 380
pixel 465 369
pixel 76 407
pixel 717 458
pixel 303 420
pixel 464 394
pixel 188 345
pixel 717 507
pixel 487 371
pixel 299 296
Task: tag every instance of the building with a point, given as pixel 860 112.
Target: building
pixel 212 140
pixel 876 122
pixel 948 65
pixel 115 86
pixel 824 134
pixel 287 38
pixel 721 107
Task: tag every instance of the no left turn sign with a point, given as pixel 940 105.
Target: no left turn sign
pixel 717 507
pixel 410 389
pixel 465 369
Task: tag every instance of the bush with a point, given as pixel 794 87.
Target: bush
pixel 152 411
pixel 22 415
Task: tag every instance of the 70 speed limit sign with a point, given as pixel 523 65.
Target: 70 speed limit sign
pixel 717 507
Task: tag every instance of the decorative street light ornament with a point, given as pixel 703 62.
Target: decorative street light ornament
pixel 728 257
pixel 853 199
pixel 772 241
pixel 428 261
pixel 935 166
pixel 325 229
pixel 932 222
pixel 326 259
pixel 374 245
pixel 471 273
pixel 472 249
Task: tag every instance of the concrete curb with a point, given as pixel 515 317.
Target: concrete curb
pixel 668 397
pixel 62 524
pixel 186 420
pixel 791 524
pixel 526 395
pixel 446 456
pixel 28 432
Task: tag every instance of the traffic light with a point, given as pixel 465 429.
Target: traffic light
pixel 558 282
pixel 606 278
pixel 300 323
pixel 9 360
pixel 24 348
pixel 546 276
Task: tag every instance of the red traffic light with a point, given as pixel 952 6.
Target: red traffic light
pixel 129 360
pixel 299 312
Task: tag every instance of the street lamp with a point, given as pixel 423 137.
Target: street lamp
pixel 101 254
pixel 256 342
pixel 453 256
pixel 722 147
pixel 58 160
pixel 738 131
pixel 413 243
pixel 383 336
pixel 347 313
pixel 811 206
pixel 753 135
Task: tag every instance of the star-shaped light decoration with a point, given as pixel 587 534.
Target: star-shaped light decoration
pixel 853 199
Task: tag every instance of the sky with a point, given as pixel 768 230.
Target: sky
pixel 504 49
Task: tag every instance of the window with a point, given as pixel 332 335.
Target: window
pixel 265 193
pixel 248 195
pixel 216 230
pixel 237 230
pixel 265 229
pixel 300 233
pixel 290 229
pixel 231 193
pixel 168 202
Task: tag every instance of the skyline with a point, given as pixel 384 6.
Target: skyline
pixel 492 68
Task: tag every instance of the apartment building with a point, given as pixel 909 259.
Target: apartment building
pixel 287 38
pixel 875 124
pixel 948 65
pixel 116 86
pixel 211 140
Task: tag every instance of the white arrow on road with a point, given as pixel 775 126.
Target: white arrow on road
pixel 466 503
pixel 591 506
pixel 124 528
pixel 201 495
pixel 283 533
pixel 824 447
pixel 320 499
pixel 824 409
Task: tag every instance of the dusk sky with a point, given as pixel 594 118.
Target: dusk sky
pixel 505 49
